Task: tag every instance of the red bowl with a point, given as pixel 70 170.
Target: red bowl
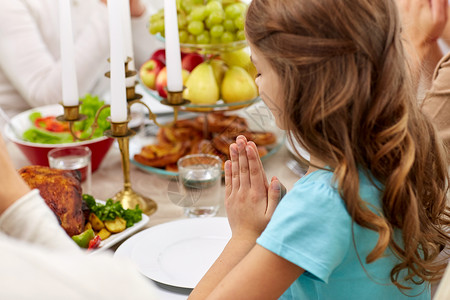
pixel 37 152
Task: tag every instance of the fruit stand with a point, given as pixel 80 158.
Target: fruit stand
pixel 218 76
pixel 217 71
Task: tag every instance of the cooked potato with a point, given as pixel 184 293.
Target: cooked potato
pixel 116 225
pixel 96 223
pixel 104 234
pixel 88 226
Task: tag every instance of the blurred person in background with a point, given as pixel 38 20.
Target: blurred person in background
pixel 30 66
pixel 426 34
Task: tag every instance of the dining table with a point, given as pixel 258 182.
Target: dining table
pixel 108 180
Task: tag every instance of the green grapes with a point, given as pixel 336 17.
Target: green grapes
pixel 157 26
pixel 228 37
pixel 216 17
pixel 191 39
pixel 217 31
pixel 233 11
pixel 213 6
pixel 182 21
pixel 239 22
pixel 198 14
pixel 240 35
pixel 203 38
pixel 183 35
pixel 229 25
pixel 205 22
pixel 196 27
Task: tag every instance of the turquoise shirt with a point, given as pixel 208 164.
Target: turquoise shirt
pixel 312 229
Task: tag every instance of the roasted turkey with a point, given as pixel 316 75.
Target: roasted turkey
pixel 61 190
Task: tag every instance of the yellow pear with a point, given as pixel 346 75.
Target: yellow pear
pixel 240 58
pixel 201 86
pixel 219 69
pixel 238 85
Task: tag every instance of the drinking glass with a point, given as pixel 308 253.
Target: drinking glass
pixel 75 159
pixel 200 176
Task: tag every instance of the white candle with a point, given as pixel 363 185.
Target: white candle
pixel 117 73
pixel 128 41
pixel 173 56
pixel 68 71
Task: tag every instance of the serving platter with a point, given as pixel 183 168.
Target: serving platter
pixel 258 116
pixel 117 237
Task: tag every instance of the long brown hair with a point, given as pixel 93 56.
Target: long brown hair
pixel 348 99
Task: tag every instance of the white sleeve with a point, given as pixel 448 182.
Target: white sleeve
pixel 29 219
pixel 30 67
pixel 39 261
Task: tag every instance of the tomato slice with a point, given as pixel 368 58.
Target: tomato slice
pixel 95 242
pixel 51 124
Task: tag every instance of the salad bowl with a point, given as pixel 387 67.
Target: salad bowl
pixel 37 152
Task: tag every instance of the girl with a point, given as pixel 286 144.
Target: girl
pixel 366 222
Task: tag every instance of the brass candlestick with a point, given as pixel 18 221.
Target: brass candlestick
pixel 120 131
pixel 127 196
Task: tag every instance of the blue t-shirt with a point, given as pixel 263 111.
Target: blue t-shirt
pixel 312 229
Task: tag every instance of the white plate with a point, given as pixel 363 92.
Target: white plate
pixel 177 253
pixel 117 237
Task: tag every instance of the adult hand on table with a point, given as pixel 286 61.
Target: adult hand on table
pixel 249 199
pixel 12 187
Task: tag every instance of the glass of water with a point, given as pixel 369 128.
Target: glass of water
pixel 75 159
pixel 200 176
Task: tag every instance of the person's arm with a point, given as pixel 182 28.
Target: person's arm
pixel 27 62
pixel 446 33
pixel 12 187
pixel 245 270
pixel 423 22
pixel 24 214
pixel 436 104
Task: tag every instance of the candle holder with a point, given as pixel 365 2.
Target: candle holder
pixel 127 196
pixel 120 131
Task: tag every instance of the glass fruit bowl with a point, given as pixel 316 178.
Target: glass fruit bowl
pixel 218 106
pixel 206 49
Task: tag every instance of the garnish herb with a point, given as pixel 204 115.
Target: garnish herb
pixel 110 210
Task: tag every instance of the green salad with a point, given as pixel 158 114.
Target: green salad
pixel 47 130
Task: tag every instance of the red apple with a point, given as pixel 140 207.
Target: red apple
pixel 160 55
pixel 149 71
pixel 161 81
pixel 191 60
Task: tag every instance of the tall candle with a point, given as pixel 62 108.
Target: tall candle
pixel 68 71
pixel 117 66
pixel 128 41
pixel 173 56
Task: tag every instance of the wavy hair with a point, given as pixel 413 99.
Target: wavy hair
pixel 349 99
